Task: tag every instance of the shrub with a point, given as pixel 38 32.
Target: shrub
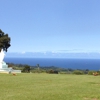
pixel 26 69
pixel 52 72
pixel 98 72
pixel 62 72
pixel 78 72
pixel 91 72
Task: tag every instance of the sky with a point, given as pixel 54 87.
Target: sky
pixel 51 25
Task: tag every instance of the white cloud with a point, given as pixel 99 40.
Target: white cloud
pixel 23 52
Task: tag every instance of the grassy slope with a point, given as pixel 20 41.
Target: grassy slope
pixel 49 87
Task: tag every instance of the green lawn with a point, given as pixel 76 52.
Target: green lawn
pixel 49 87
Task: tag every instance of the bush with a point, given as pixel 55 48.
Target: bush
pixel 26 69
pixel 52 72
pixel 62 72
pixel 91 72
pixel 78 72
pixel 98 72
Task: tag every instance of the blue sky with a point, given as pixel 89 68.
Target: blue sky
pixel 51 25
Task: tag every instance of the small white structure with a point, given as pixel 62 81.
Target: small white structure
pixel 1 58
pixel 4 67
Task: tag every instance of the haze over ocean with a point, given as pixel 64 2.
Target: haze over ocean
pixel 91 64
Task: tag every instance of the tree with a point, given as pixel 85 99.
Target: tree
pixel 26 69
pixel 4 41
pixel 38 66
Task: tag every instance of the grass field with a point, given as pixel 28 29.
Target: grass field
pixel 49 87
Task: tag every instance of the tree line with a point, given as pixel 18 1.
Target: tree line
pixel 50 69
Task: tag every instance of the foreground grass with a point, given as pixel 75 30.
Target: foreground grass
pixel 49 87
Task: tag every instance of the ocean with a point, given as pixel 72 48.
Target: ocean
pixel 91 64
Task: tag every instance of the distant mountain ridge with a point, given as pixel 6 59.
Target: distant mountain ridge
pixel 53 55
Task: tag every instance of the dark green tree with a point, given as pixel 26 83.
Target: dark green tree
pixel 4 41
pixel 26 69
pixel 38 66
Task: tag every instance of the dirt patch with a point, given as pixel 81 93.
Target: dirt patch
pixel 90 99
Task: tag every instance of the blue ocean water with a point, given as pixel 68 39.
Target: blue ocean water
pixel 91 64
